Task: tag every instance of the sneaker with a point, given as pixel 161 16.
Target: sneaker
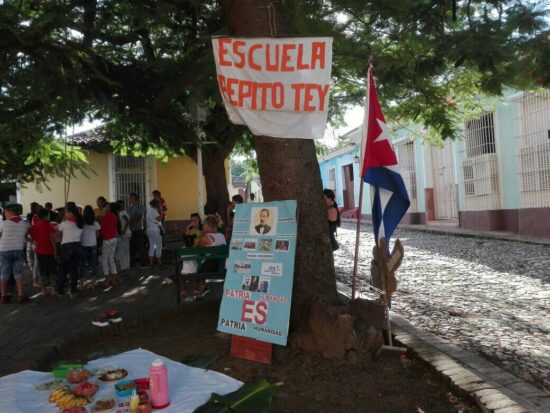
pixel 102 320
pixel 167 281
pixel 23 298
pixel 114 316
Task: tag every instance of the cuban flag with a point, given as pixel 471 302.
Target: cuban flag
pixel 380 169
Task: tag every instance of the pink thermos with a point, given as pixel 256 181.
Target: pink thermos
pixel 158 379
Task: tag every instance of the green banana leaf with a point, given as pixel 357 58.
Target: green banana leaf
pixel 249 398
pixel 202 362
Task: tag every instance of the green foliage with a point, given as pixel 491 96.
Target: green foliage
pixel 142 65
pixel 249 398
pixel 432 59
pixel 202 362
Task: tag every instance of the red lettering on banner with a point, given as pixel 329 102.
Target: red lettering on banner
pixel 299 61
pixel 309 97
pixel 236 45
pixel 261 313
pixel 242 93
pixel 277 90
pixel 286 57
pixel 271 67
pixel 251 61
pixel 229 89
pixel 297 93
pixel 222 51
pixel 221 81
pixel 318 55
pixel 247 304
pixel 323 91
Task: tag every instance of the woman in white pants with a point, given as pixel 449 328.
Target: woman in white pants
pixel 123 246
pixel 153 219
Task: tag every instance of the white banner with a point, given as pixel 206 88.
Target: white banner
pixel 275 86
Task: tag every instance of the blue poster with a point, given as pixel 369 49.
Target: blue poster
pixel 260 270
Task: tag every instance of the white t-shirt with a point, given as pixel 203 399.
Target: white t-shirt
pixel 71 232
pixel 216 238
pixel 88 237
pixel 152 218
pixel 123 221
pixel 13 235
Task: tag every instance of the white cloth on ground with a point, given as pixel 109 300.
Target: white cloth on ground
pixel 190 387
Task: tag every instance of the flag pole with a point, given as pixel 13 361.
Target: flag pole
pixel 357 232
pixel 361 186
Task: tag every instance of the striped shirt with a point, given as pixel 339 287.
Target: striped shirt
pixel 13 235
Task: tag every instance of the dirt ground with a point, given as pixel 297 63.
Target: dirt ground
pixel 390 384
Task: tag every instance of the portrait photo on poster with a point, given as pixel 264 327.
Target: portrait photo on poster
pixel 281 245
pixel 250 244
pixel 265 244
pixel 263 221
pixel 237 244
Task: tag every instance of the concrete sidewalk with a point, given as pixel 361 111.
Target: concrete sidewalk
pixel 460 232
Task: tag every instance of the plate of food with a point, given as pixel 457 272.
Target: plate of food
pixel 49 385
pixel 103 406
pixel 112 375
pixel 86 389
pixel 101 370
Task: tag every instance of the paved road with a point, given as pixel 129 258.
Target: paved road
pixel 489 296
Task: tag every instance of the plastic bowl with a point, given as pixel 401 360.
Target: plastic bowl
pixel 126 391
pixel 142 384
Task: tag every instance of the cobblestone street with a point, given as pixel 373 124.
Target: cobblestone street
pixel 488 296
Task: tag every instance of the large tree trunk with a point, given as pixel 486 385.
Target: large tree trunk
pixel 215 179
pixel 289 170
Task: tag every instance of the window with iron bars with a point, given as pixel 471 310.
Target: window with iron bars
pixel 130 176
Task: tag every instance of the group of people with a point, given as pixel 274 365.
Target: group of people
pixel 61 244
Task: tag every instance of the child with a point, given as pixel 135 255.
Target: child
pixel 44 236
pixel 13 233
pixel 88 245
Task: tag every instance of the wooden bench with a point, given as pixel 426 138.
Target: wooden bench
pixel 199 254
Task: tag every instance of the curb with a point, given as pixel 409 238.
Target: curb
pixel 454 366
pixel 459 233
pixel 488 386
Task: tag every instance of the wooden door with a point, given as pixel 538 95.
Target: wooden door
pixel 445 196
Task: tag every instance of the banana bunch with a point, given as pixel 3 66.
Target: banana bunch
pixel 65 399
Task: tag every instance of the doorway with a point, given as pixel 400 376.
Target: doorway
pixel 349 195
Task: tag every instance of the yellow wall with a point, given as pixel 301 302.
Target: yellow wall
pixel 177 181
pixel 83 190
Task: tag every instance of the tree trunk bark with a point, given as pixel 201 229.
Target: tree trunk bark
pixel 289 170
pixel 215 179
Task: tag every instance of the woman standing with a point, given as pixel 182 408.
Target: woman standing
pixel 333 216
pixel 71 230
pixel 153 219
pixel 109 230
pixel 88 245
pixel 123 246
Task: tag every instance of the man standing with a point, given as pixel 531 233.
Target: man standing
pixel 136 212
pixel 262 227
pixel 13 232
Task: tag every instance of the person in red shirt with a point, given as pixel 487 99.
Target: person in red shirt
pixel 109 229
pixel 161 209
pixel 44 236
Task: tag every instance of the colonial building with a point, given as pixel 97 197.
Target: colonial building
pixel 114 177
pixel 496 177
